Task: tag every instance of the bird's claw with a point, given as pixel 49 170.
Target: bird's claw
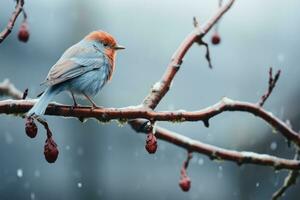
pixel 94 106
pixel 74 106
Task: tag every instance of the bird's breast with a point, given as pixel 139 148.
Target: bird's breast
pixel 111 55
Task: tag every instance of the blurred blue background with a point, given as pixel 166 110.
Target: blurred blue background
pixel 108 161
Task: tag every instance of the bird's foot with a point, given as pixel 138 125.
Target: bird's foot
pixel 95 106
pixel 75 105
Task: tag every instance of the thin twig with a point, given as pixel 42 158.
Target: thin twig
pixel 272 83
pixel 289 180
pixel 46 126
pixel 7 30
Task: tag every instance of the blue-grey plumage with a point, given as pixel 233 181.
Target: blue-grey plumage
pixel 83 69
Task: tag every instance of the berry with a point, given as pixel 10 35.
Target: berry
pixel 50 150
pixel 151 143
pixel 23 34
pixel 215 39
pixel 30 127
pixel 185 183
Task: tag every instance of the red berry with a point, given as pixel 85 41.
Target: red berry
pixel 30 127
pixel 215 39
pixel 23 32
pixel 151 143
pixel 185 183
pixel 50 150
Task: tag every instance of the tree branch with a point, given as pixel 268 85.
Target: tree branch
pixel 289 180
pixel 163 86
pixel 8 89
pixel 7 30
pixel 216 152
pixel 134 112
pixel 272 83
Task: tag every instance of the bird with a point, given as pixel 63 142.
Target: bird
pixel 83 69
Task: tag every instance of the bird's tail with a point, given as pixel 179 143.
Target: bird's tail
pixel 40 106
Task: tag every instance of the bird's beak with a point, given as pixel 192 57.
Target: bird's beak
pixel 119 47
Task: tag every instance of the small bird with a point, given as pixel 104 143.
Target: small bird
pixel 83 69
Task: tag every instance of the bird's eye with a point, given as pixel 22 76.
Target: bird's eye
pixel 105 44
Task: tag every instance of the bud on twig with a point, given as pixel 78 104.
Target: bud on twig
pixel 185 181
pixel 50 150
pixel 30 127
pixel 23 34
pixel 215 39
pixel 151 143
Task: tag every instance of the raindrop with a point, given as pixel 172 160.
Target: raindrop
pixel 220 172
pixel 37 173
pixel 280 57
pixel 32 196
pixel 19 173
pixel 273 146
pixel 136 154
pixel 257 184
pixel 200 161
pixel 79 185
pixel 68 147
pixel 8 138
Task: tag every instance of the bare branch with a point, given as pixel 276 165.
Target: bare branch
pixel 7 30
pixel 185 181
pixel 8 89
pixel 195 22
pixel 127 113
pixel 288 181
pixel 207 54
pixel 272 83
pixel 156 95
pixel 214 152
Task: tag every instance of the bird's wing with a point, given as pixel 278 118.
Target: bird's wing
pixel 76 61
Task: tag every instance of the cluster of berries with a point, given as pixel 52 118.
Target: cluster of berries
pixel 50 148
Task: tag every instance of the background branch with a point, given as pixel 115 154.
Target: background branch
pixel 272 83
pixel 289 180
pixel 8 89
pixel 7 30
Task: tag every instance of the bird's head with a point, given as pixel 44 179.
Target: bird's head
pixel 107 40
pixel 107 43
